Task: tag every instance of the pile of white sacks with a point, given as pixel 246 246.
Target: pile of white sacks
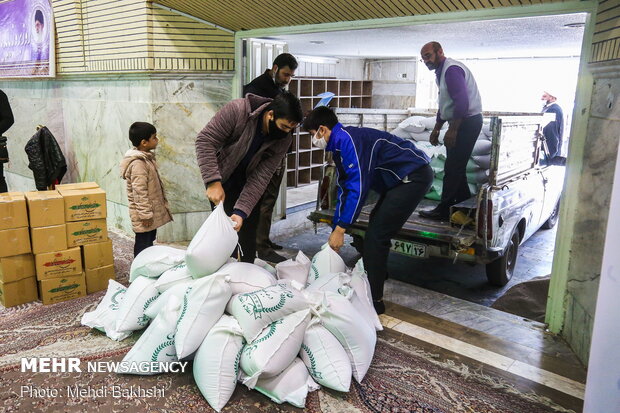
pixel 418 129
pixel 282 331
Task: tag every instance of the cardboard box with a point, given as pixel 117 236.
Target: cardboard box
pixel 97 278
pixel 18 292
pixel 78 185
pixel 56 290
pixel 16 268
pixel 13 212
pixel 97 255
pixel 45 208
pixel 84 204
pixel 86 232
pixel 58 264
pixel 48 239
pixel 14 241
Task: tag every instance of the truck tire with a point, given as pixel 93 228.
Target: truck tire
pixel 553 219
pixel 500 271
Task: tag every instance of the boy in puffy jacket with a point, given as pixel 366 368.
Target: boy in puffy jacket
pixel 367 159
pixel 148 206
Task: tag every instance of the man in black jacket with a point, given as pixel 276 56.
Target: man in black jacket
pixel 270 84
pixel 6 121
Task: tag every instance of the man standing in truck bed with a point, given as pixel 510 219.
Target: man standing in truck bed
pixel 460 105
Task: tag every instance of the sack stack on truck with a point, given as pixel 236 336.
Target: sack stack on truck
pixel 311 324
pixel 418 129
pixel 18 283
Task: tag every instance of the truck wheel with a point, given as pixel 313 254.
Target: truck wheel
pixel 553 219
pixel 358 243
pixel 500 271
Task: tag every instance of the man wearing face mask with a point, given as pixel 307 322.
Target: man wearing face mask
pixel 367 159
pixel 238 152
pixel 270 84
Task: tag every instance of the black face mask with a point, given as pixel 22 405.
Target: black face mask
pixel 275 132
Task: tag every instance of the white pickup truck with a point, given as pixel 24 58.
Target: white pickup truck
pixel 521 195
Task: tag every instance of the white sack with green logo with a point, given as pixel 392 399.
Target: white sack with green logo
pixel 139 295
pixel 216 365
pixel 175 275
pixel 325 358
pixel 325 261
pixel 203 305
pixel 157 342
pixel 275 348
pixel 255 311
pixel 246 278
pixel 103 318
pixel 158 305
pixel 154 261
pixel 291 386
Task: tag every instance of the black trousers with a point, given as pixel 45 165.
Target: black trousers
pixel 143 241
pixel 3 187
pixel 455 188
pixel 391 212
pixel 247 233
pixel 265 210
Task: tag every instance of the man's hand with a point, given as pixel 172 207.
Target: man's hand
pixel 434 139
pixel 449 138
pixel 336 239
pixel 215 192
pixel 237 222
pixel 147 222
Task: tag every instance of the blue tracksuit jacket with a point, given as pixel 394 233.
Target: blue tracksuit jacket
pixel 368 159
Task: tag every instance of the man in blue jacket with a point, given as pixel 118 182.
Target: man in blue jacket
pixel 371 159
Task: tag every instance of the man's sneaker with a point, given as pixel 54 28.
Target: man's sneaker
pixel 379 306
pixel 271 256
pixel 434 214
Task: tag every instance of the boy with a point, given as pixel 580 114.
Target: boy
pixel 368 158
pixel 148 206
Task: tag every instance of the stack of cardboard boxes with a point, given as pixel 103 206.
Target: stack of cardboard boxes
pixel 18 283
pixel 70 245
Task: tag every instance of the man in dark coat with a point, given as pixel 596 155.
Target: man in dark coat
pixel 270 84
pixel 6 121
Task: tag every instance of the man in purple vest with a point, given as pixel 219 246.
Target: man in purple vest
pixel 459 105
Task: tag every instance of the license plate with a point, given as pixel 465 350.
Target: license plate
pixel 410 249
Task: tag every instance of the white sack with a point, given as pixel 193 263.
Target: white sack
pixel 482 147
pixel 103 318
pixel 356 336
pixel 255 311
pixel 294 269
pixel 291 386
pixel 175 275
pixel 153 261
pixel 203 305
pixel 401 133
pixel 140 294
pixel 157 342
pixel 362 300
pixel 412 124
pixel 325 358
pixel 429 122
pixel 246 278
pixel 424 136
pixel 486 129
pixel 275 348
pixel 216 364
pixel 178 291
pixel 265 265
pixel 483 161
pixel 330 282
pixel 212 245
pixel 324 262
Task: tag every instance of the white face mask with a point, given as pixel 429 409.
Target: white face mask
pixel 320 143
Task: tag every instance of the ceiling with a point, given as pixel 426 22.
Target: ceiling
pixel 246 15
pixel 522 37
